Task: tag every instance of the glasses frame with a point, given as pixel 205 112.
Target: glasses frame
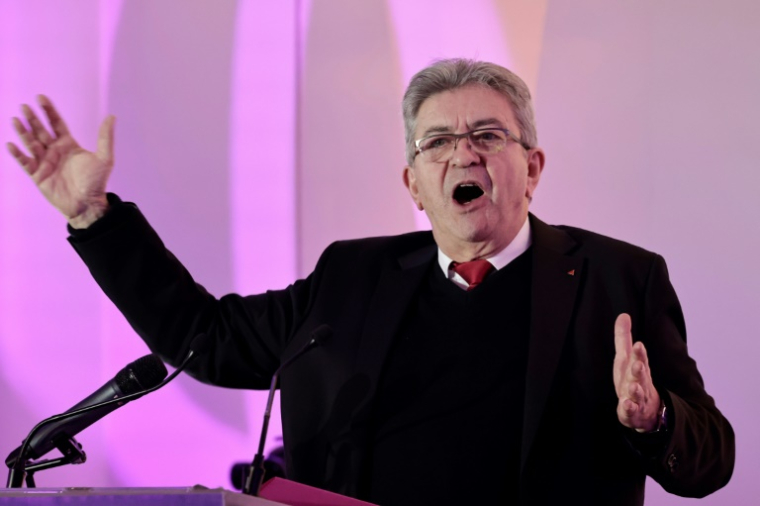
pixel 418 149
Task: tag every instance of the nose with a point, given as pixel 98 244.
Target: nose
pixel 464 156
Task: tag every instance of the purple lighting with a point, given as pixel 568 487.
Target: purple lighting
pixel 252 134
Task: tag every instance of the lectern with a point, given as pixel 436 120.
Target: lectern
pixel 187 496
pixel 289 492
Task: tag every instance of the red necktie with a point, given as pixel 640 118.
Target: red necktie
pixel 473 272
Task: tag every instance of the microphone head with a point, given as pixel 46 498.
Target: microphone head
pixel 321 334
pixel 145 372
pixel 200 344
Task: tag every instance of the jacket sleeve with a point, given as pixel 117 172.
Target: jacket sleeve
pixel 164 305
pixel 697 456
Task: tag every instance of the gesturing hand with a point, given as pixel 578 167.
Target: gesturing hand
pixel 638 400
pixel 70 177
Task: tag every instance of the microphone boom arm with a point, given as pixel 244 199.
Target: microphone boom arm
pixel 19 466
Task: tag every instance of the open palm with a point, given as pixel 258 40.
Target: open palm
pixel 70 177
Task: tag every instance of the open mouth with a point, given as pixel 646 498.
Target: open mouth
pixel 467 192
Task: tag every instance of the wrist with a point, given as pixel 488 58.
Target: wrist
pixel 91 213
pixel 661 421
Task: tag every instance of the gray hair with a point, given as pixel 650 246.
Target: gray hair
pixel 446 75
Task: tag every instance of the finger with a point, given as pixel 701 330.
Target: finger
pixel 632 379
pixel 640 371
pixel 635 393
pixel 640 352
pixel 33 145
pixel 28 164
pixel 55 120
pixel 105 139
pixel 627 410
pixel 38 129
pixel 47 166
pixel 638 384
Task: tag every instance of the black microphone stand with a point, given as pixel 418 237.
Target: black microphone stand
pixel 72 454
pixel 256 473
pixel 20 465
pixel 71 449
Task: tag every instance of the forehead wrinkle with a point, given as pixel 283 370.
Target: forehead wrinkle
pixel 438 129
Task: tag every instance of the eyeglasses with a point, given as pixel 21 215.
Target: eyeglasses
pixel 484 141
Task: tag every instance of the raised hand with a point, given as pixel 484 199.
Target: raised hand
pixel 638 400
pixel 70 177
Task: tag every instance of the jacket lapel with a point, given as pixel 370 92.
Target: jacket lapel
pixel 396 286
pixel 556 277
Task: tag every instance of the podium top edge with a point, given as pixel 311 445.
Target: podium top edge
pixel 78 491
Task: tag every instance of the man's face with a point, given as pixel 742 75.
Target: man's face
pixel 481 227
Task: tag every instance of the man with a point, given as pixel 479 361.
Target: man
pixel 491 361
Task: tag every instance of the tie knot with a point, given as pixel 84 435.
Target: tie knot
pixel 473 272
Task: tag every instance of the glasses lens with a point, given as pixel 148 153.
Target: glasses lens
pixel 484 141
pixel 437 147
pixel 488 141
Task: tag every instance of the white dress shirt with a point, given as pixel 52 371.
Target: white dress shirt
pixel 514 249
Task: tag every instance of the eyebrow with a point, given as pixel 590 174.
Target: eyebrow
pixel 440 129
pixel 487 122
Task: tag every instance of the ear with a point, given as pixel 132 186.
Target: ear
pixel 536 160
pixel 410 181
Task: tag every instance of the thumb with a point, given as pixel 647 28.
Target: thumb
pixel 623 336
pixel 105 139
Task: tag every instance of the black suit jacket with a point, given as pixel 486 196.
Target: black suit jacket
pixel 573 447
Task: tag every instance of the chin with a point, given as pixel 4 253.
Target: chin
pixel 477 233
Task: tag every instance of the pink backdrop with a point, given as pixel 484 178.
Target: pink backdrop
pixel 255 133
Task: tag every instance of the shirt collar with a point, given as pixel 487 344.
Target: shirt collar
pixel 514 249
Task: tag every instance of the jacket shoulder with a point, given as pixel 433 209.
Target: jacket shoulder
pixel 570 240
pixel 608 254
pixel 593 242
pixel 392 247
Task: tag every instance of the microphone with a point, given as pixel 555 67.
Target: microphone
pixel 141 377
pixel 145 372
pixel 256 472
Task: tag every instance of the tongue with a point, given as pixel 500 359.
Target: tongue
pixel 467 193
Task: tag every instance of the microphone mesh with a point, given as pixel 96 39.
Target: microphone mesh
pixel 145 372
